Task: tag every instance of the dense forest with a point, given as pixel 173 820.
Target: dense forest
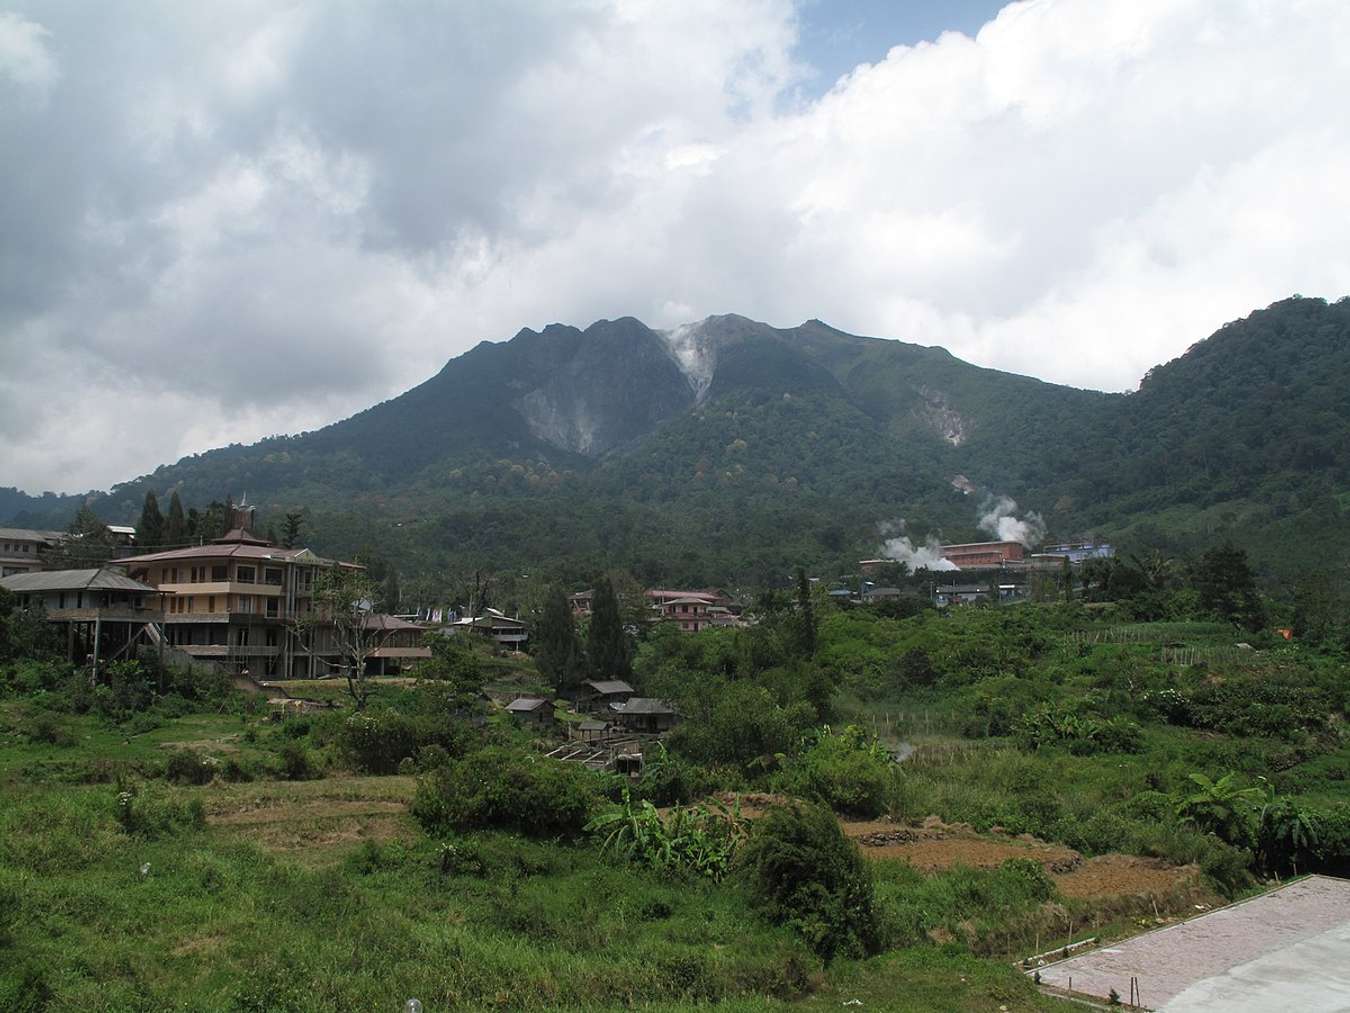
pixel 578 450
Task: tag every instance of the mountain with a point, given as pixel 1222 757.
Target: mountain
pixel 731 450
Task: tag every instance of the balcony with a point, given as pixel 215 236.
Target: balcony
pixel 223 587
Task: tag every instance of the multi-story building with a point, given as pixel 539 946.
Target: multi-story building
pixel 247 604
pixel 976 554
pixel 21 549
pixel 103 614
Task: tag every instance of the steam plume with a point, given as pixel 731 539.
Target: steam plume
pixel 901 549
pixel 998 517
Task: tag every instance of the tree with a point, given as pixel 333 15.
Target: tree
pixel 557 648
pixel 806 615
pixel 454 666
pixel 1223 808
pixel 1224 581
pixel 150 528
pixel 1285 832
pixel 215 521
pixel 607 644
pixel 25 633
pixel 290 531
pixel 90 543
pixel 175 527
pixel 804 873
pixel 342 611
pixel 392 595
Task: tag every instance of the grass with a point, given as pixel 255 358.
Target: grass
pixel 234 924
pixel 325 895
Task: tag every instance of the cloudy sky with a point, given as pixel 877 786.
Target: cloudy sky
pixel 220 221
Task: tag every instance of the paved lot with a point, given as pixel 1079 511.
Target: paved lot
pixel 1285 950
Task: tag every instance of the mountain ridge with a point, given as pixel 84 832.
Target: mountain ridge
pixel 809 430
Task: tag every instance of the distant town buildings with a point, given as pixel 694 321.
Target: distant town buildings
pixel 495 625
pixel 21 549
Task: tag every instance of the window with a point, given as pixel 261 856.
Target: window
pixel 272 575
pixel 211 603
pixel 220 572
pixel 245 574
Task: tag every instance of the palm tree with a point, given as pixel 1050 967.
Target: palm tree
pixel 1223 808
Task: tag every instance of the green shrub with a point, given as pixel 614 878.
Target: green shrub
pixel 187 767
pixel 43 726
pixel 152 814
pixel 669 779
pixel 804 873
pixel 699 839
pixel 500 787
pixel 1082 734
pixel 850 772
pixel 294 762
pixel 376 741
pixel 460 858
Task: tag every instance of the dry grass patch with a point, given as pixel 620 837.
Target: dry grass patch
pixel 315 821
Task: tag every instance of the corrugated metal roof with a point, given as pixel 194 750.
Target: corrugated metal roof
pixel 381 621
pixel 30 535
pixel 525 704
pixel 645 705
pixel 607 686
pixel 231 551
pixel 73 580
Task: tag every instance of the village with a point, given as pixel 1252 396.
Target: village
pixel 247 607
pixel 695 723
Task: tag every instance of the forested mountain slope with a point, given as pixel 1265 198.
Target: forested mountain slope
pixel 729 449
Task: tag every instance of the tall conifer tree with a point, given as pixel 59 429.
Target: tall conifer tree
pixel 806 614
pixel 150 528
pixel 557 646
pixel 175 527
pixel 607 644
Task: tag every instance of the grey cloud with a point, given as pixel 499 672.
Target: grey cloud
pixel 225 220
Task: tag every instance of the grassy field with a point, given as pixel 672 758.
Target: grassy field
pixel 324 894
pixel 123 890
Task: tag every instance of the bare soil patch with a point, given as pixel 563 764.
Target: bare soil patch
pixel 1127 876
pixel 936 846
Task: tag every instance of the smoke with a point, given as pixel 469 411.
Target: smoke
pixel 899 548
pixel 998 517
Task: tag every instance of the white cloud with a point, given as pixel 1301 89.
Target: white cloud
pixel 24 55
pixel 251 219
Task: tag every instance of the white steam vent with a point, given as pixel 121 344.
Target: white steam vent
pixel 692 352
pixel 899 547
pixel 998 516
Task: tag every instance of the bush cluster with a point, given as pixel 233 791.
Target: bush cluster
pixel 850 772
pixel 803 872
pixel 377 741
pixel 499 787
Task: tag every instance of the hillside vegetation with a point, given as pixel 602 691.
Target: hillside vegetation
pixel 591 448
pixel 164 840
